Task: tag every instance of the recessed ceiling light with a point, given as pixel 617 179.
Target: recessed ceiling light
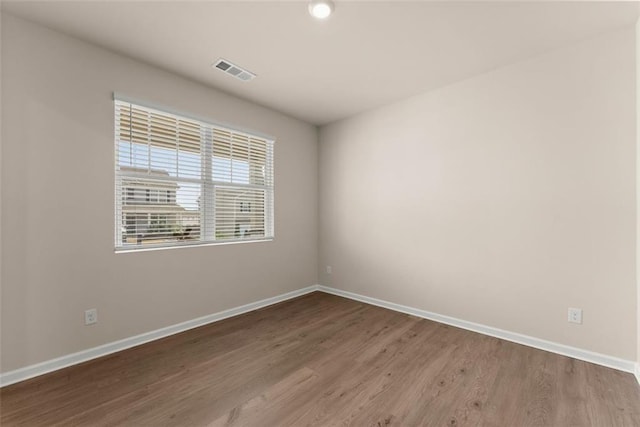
pixel 320 9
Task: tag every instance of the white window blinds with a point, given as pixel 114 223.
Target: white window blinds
pixel 181 181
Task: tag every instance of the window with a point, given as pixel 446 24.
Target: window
pixel 180 181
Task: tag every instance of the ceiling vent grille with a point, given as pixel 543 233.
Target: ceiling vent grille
pixel 234 70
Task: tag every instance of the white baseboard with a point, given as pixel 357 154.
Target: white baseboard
pixel 565 350
pixel 31 371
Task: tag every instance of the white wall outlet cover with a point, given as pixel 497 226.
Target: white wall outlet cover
pixel 575 315
pixel 91 316
pixel 328 269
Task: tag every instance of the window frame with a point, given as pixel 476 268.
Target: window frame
pixel 207 181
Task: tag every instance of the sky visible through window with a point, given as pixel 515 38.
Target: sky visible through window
pixel 181 164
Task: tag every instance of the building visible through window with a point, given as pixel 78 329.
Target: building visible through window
pixel 181 181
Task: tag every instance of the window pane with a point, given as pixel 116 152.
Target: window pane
pixel 154 140
pixel 239 213
pixel 159 211
pixel 230 170
pixel 133 155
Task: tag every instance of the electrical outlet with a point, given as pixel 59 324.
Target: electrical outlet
pixel 328 269
pixel 575 315
pixel 91 316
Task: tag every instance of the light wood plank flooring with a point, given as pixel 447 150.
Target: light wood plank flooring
pixel 324 360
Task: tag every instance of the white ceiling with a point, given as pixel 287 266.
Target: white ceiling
pixel 365 55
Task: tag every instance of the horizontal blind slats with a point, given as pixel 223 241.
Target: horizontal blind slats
pixel 169 172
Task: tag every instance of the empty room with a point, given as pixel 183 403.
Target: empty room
pixel 313 212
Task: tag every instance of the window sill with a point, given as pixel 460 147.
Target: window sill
pixel 126 250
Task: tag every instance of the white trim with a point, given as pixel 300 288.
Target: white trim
pixel 31 371
pixel 151 248
pixel 565 350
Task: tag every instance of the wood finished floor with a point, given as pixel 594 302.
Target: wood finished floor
pixel 324 360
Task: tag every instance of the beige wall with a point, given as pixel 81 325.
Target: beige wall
pixel 501 200
pixel 58 204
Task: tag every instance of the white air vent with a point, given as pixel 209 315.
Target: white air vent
pixel 234 70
